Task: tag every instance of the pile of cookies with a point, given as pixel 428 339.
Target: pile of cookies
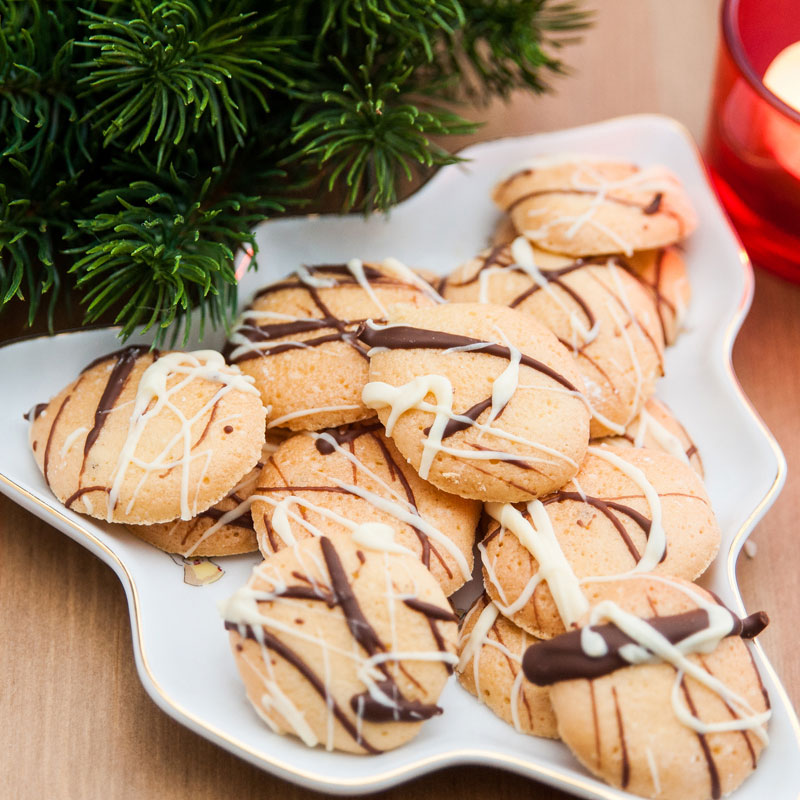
pixel 371 427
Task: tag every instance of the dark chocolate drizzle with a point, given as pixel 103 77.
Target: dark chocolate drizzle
pixel 563 658
pixel 713 772
pixel 626 764
pixel 126 361
pixel 343 330
pixel 405 337
pixel 35 412
pixel 607 508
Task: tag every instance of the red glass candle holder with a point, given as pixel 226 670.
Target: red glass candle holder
pixel 753 139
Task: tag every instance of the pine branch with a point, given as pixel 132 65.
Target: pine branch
pixel 185 107
pixel 162 75
pixel 165 244
pixel 371 136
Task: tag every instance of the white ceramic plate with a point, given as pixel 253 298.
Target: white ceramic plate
pixel 181 648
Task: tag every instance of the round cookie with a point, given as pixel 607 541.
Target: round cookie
pixel 636 726
pixel 600 524
pixel 343 642
pixel 490 667
pixel 482 401
pixel 664 273
pixel 584 206
pixel 297 338
pixel 657 428
pixel 225 529
pixel 345 476
pixel 143 437
pixel 600 309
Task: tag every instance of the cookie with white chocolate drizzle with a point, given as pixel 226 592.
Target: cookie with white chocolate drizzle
pixel 144 437
pixel 599 307
pixel 626 511
pixel 319 483
pixel 344 641
pixel 657 693
pixel 482 401
pixel 583 206
pixel 490 649
pixel 297 339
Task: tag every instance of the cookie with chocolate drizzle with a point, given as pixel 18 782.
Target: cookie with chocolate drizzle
pixel 331 481
pixel 483 401
pixel 344 641
pixel 583 206
pixel 490 649
pixel 297 338
pixel 626 511
pixel 657 428
pixel 225 529
pixel 598 307
pixel 657 693
pixel 144 437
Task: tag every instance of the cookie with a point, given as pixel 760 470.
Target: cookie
pixel 482 401
pixel 600 309
pixel 490 649
pixel 143 437
pixel 586 206
pixel 626 511
pixel 656 428
pixel 346 476
pixel 687 724
pixel 225 529
pixel 664 273
pixel 343 642
pixel 297 338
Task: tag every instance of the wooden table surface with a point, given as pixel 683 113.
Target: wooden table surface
pixel 75 721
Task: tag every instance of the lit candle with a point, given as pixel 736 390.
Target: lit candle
pixel 782 77
pixel 782 135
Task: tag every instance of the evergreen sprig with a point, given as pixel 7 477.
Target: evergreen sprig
pixel 142 141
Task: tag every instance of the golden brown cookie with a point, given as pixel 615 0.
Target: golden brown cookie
pixel 627 509
pixel 598 307
pixel 342 477
pixel 657 428
pixel 584 207
pixel 342 642
pixel 482 401
pixel 687 724
pixel 144 437
pixel 297 338
pixel 490 648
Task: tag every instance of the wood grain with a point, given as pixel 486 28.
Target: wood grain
pixel 76 722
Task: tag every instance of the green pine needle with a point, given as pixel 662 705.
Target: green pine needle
pixel 140 142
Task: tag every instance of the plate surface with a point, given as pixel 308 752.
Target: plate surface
pixel 181 648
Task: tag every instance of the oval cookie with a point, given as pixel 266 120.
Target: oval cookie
pixel 482 401
pixel 332 481
pixel 627 510
pixel 143 437
pixel 689 726
pixel 583 207
pixel 344 645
